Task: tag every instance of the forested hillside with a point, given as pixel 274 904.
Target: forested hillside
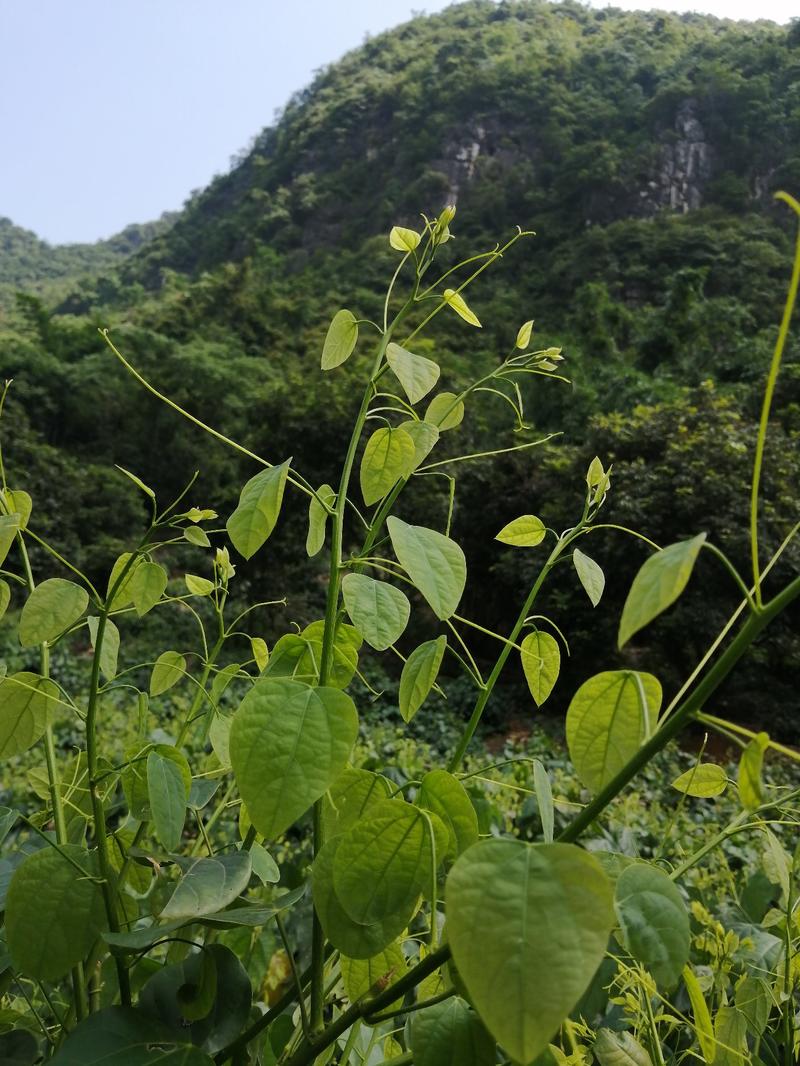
pixel 643 149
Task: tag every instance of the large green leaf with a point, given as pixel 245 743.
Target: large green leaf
pixel 147 585
pixel 168 994
pixel 609 718
pixel 388 456
pixel 378 610
pixel 444 794
pixel 658 584
pixel 27 703
pixel 53 913
pixel 208 885
pixel 654 921
pixel 169 795
pixel 450 1034
pixel 258 509
pixel 356 940
pixel 383 863
pixel 435 564
pixel 352 794
pixel 121 1036
pixel 415 373
pixel 340 339
pixel 318 518
pixel 288 744
pixel 419 674
pixel 541 663
pixel 9 527
pixel 51 608
pixel 528 925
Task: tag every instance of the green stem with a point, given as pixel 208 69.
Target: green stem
pixel 768 394
pixel 669 728
pixel 486 692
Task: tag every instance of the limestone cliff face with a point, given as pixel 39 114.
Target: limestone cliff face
pixel 686 164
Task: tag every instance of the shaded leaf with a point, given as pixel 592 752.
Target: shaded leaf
pixel 445 411
pixel 168 670
pixel 419 674
pixel 654 921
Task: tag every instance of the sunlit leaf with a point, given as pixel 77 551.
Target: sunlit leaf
pixel 751 790
pixel 419 675
pixel 524 334
pixel 52 607
pixel 425 437
pixel 444 794
pixel 27 703
pixel 703 781
pixel 258 509
pixel 435 564
pixel 208 885
pixel 168 670
pixel 109 651
pixel 146 586
pixel 445 411
pixel 590 574
pixel 459 305
pixel 388 456
pixel 340 340
pixel 415 373
pixel 524 532
pixel 318 518
pixel 378 610
pixel 402 239
pixel 541 663
pixel 659 582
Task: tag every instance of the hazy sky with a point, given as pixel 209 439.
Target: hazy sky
pixel 112 111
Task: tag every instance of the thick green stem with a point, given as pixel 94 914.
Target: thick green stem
pixel 491 681
pixel 715 676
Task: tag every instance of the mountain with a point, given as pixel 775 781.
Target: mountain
pixel 644 150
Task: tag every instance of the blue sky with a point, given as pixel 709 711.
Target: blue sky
pixel 112 111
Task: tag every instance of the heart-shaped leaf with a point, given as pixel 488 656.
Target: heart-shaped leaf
pixel 51 608
pixel 435 564
pixel 658 584
pixel 528 925
pixel 450 1034
pixel 419 674
pixel 378 610
pixel 257 512
pixel 388 456
pixel 340 339
pixel 415 373
pixel 541 663
pixel 654 921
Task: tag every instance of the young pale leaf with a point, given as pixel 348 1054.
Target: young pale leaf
pixel 524 334
pixel 609 718
pixel 288 744
pixel 388 456
pixel 590 574
pixel 658 584
pixel 318 518
pixel 541 663
pixel 146 587
pixel 524 532
pixel 459 305
pixel 415 373
pixel 198 586
pixel 702 781
pixel 137 482
pixel 197 536
pixel 445 411
pixel 257 512
pixel 435 564
pixel 378 610
pixel 340 340
pixel 9 527
pixel 109 652
pixel 595 473
pixel 168 794
pixel 402 239
pixel 5 597
pixel 51 608
pixel 19 502
pixel 654 921
pixel 27 703
pixel 168 670
pixel 444 794
pixel 751 791
pixel 354 939
pixel 425 436
pixel 383 863
pixel 702 1018
pixel 450 1034
pixel 363 977
pixel 53 913
pixel 208 885
pixel 264 866
pixel 260 652
pixel 619 1049
pixel 528 925
pixel 544 798
pixel 419 675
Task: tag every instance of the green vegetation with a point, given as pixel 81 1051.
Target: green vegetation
pixel 410 917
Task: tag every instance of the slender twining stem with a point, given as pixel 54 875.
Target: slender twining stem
pixel 684 712
pixel 485 694
pixel 772 377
